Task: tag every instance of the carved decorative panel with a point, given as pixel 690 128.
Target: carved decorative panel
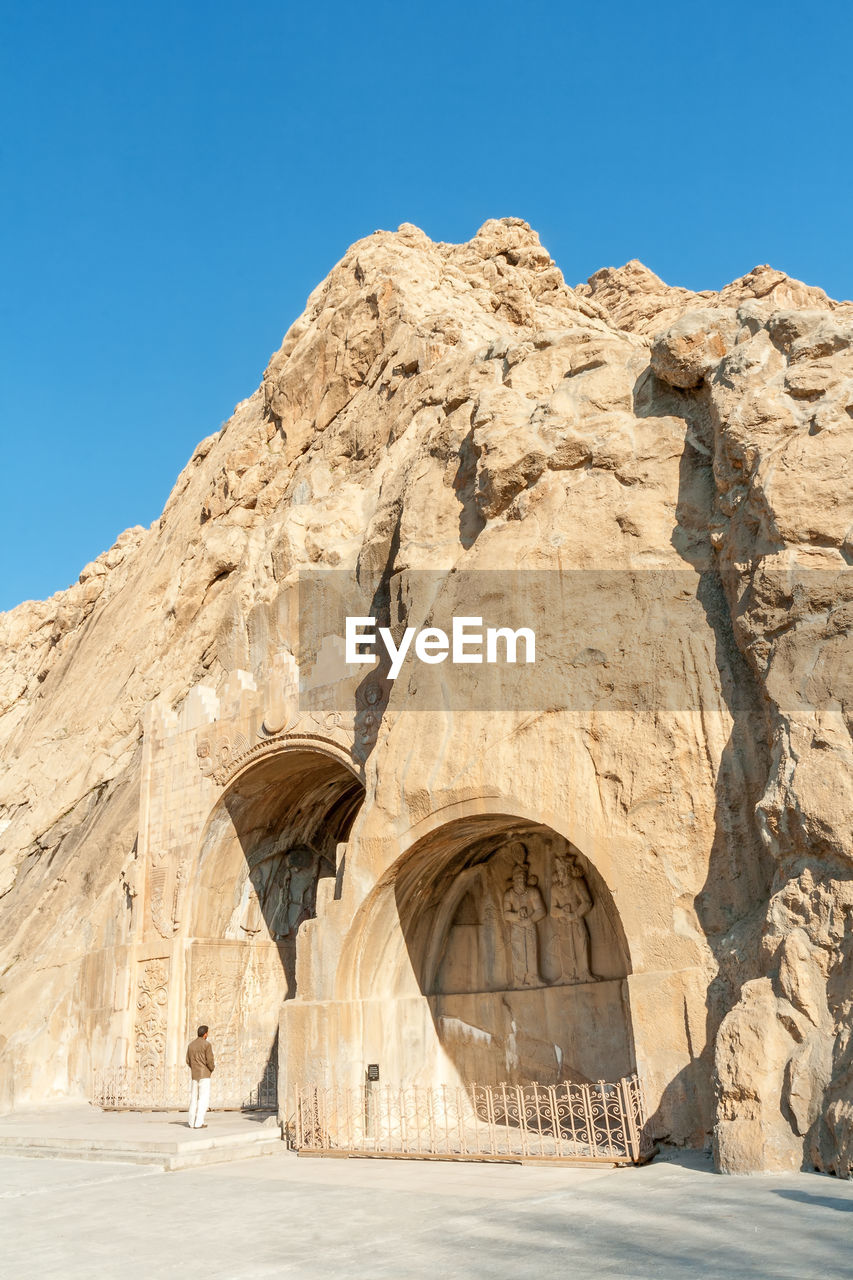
pixel 167 882
pixel 236 988
pixel 222 752
pixel 152 996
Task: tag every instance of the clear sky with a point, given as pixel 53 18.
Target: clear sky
pixel 176 178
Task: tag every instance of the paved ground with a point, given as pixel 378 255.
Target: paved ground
pixel 365 1219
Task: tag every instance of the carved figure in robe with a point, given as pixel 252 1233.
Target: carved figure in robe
pixel 130 881
pixel 571 900
pixel 253 916
pixel 523 908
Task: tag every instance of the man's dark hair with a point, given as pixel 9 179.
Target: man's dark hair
pixel 202 1031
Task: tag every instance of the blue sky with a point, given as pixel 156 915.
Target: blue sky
pixel 176 178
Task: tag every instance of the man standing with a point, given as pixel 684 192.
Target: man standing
pixel 201 1064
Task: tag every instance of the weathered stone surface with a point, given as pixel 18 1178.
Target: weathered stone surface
pixel 685 353
pixel 458 407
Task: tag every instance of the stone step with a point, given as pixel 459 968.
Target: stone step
pixel 177 1156
pixel 117 1141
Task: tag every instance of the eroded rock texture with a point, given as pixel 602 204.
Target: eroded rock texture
pixel 442 406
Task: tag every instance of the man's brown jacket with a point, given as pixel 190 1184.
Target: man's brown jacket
pixel 200 1058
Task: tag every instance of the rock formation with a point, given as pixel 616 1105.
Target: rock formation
pixel 457 407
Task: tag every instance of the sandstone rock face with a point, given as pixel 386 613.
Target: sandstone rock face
pixel 438 412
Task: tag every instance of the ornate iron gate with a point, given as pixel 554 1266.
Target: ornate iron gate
pixel 237 1086
pixel 575 1122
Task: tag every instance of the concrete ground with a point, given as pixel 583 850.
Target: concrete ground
pixel 362 1219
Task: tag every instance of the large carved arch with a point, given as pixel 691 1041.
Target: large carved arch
pixel 511 934
pixel 452 824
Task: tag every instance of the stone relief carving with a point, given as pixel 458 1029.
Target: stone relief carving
pixel 237 991
pixel 217 754
pixel 129 882
pixel 253 918
pixel 281 707
pixel 523 908
pixel 165 905
pixel 214 994
pixel 371 699
pixel 222 753
pixel 571 901
pixel 152 995
pixel 518 931
pixel 280 893
pixel 216 982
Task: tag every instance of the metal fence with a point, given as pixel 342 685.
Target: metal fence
pixel 248 1087
pixel 602 1121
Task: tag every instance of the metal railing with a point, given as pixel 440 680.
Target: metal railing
pixel 602 1121
pixel 248 1087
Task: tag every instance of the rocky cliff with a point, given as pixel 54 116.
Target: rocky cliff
pixel 444 406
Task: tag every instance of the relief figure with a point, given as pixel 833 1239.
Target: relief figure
pixel 280 894
pixel 523 907
pixel 253 915
pixel 571 900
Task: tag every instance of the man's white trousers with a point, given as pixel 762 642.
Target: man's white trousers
pixel 199 1101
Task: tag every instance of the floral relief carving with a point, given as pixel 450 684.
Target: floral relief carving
pixel 152 997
